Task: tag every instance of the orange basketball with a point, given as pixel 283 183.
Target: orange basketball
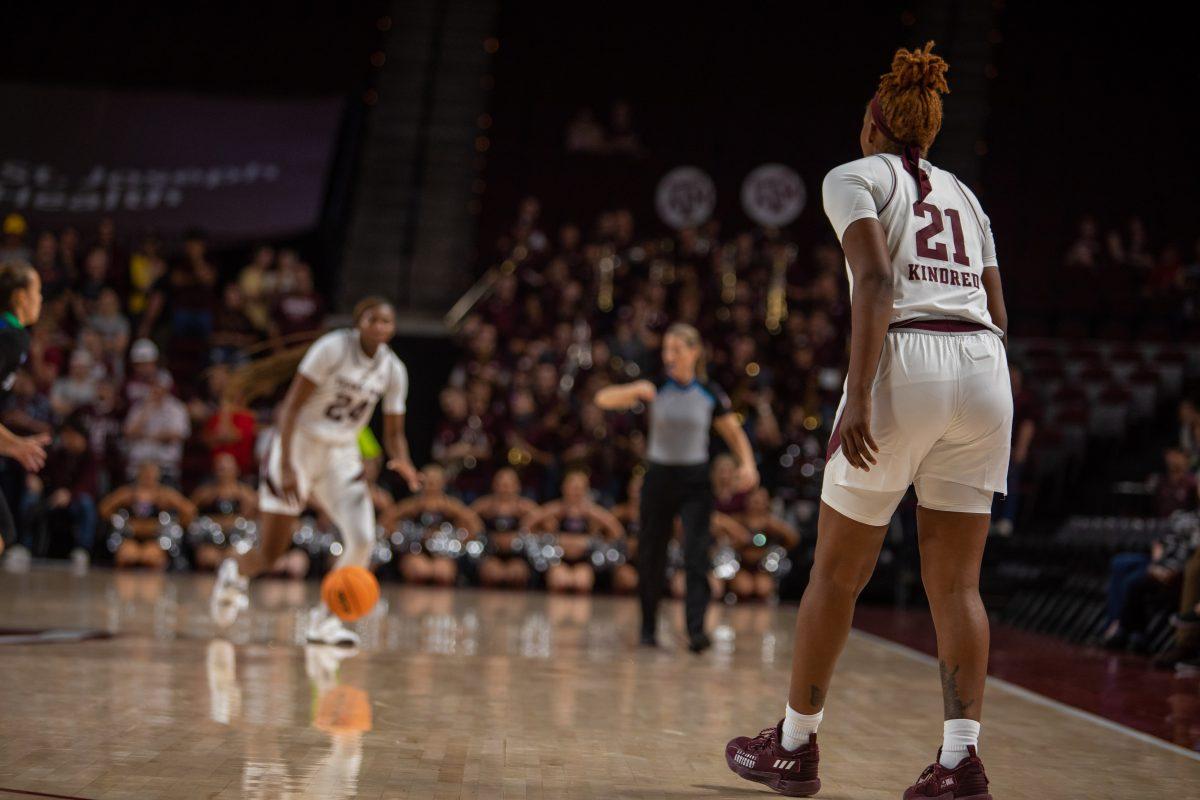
pixel 350 592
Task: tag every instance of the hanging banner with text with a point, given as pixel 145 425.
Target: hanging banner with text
pixel 237 167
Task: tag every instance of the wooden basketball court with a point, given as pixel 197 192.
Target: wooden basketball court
pixel 480 695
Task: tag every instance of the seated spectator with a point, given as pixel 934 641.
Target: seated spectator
pixel 77 388
pixel 430 510
pixel 146 269
pixel 461 442
pixel 1175 489
pixel 143 500
pixel 92 283
pixel 63 496
pixel 575 520
pixel 192 290
pixel 56 280
pixel 223 500
pixel 144 371
pixel 300 309
pixel 1185 649
pixel 1140 583
pixel 229 427
pixel 13 247
pixel 155 430
pixel 501 513
pixel 110 324
pixel 726 499
pixel 258 281
pixel 764 531
pixel 233 330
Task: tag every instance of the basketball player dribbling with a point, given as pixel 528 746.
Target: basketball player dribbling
pixel 927 402
pixel 315 454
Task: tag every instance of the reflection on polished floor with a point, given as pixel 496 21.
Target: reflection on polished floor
pixel 467 694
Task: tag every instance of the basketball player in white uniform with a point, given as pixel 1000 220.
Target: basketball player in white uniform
pixel 314 455
pixel 927 403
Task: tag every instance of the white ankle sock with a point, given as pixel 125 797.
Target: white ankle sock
pixel 956 735
pixel 797 727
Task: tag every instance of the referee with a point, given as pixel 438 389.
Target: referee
pixel 20 305
pixel 684 405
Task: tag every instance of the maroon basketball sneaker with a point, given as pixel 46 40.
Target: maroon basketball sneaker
pixel 763 760
pixel 967 781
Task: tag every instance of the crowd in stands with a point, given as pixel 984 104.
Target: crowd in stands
pixel 127 366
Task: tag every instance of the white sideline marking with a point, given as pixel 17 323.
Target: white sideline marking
pixel 1033 697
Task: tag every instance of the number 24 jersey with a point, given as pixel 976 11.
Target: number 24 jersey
pixel 349 386
pixel 939 246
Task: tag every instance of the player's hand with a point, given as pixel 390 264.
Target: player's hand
pixel 30 451
pixel 405 469
pixel 646 391
pixel 746 477
pixel 289 484
pixel 855 429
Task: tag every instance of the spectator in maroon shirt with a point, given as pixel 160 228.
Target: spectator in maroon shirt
pixel 1175 489
pixel 233 330
pixel 300 309
pixel 193 290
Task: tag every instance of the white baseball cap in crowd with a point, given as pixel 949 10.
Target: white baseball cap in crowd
pixel 143 351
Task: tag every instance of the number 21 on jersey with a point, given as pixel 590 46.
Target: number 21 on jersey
pixel 938 249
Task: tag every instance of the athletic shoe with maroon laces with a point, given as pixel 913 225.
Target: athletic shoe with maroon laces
pixel 967 781
pixel 763 760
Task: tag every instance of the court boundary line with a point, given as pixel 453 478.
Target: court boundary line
pixel 32 793
pixel 1033 697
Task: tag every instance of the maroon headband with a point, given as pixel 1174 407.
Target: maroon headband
pixel 911 155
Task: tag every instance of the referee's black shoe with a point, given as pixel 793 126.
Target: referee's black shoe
pixel 699 642
pixel 648 639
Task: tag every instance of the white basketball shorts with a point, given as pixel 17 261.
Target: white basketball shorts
pixel 330 475
pixel 941 413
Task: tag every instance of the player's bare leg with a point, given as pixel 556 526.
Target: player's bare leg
pixel 846 554
pixel 951 553
pixel 229 595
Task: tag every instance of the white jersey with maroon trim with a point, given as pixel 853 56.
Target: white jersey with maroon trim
pixel 939 246
pixel 349 385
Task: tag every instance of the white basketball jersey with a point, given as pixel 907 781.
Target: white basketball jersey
pixel 939 247
pixel 349 385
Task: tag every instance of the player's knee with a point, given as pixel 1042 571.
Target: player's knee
pixel 846 577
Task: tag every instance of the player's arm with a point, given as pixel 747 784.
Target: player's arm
pixel 625 396
pixel 995 299
pixel 28 451
pixel 395 442
pixel 866 251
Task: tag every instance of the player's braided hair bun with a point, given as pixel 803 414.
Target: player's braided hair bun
pixel 911 95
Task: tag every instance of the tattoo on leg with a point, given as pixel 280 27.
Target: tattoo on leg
pixel 816 696
pixel 955 706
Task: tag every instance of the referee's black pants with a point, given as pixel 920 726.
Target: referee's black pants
pixel 670 490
